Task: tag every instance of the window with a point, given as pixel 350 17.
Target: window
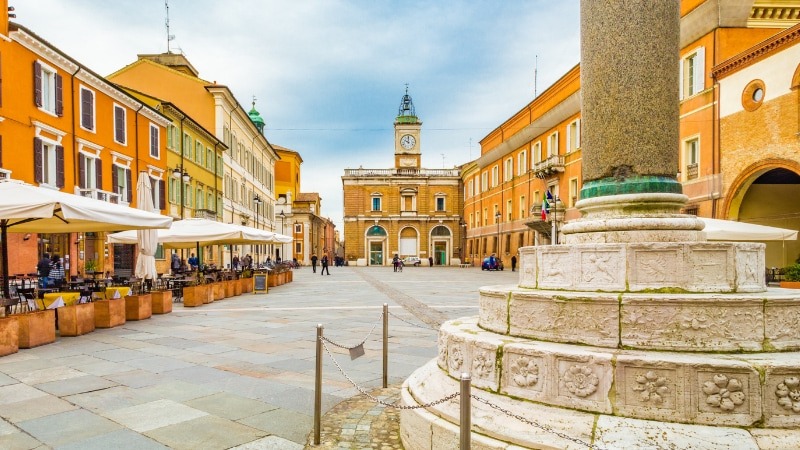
pixel 158 193
pixel 376 203
pixel 219 165
pixel 48 163
pixel 537 152
pixel 470 188
pixel 574 136
pixel 171 131
pixel 573 192
pixel 198 152
pixel 298 247
pixel 210 201
pixel 154 141
pixel 508 170
pixel 174 194
pixel 522 162
pixel 87 109
pixel 209 159
pixel 120 135
pixel 187 146
pixel 692 157
pixel 484 181
pixel 199 198
pixel 523 207
pixel 439 203
pixel 47 89
pixel 495 176
pixel 121 181
pixel 298 228
pixel 509 211
pixel 187 195
pixel 90 171
pixel 692 75
pixel 552 144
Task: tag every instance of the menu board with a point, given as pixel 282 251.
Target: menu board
pixel 259 282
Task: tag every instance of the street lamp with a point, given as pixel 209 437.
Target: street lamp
pixel 497 216
pixel 283 222
pixel 258 202
pixel 463 226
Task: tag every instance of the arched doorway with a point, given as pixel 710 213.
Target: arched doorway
pixel 768 196
pixel 441 241
pixel 376 245
pixel 409 242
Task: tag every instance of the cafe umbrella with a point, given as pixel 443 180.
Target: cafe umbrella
pixel 147 239
pixel 25 208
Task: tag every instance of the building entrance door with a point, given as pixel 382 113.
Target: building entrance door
pixel 376 253
pixel 440 252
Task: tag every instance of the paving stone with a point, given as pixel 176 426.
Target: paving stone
pixel 228 406
pixel 208 432
pixel 34 408
pixel 67 427
pixel 120 439
pixel 152 415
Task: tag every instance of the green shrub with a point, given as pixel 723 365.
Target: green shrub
pixel 792 273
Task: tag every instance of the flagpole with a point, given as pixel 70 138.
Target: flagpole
pixel 554 219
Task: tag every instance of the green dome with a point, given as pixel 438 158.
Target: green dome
pixel 255 117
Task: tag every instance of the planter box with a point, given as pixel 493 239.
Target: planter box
pixel 228 288
pixel 281 278
pixel 75 320
pixel 161 302
pixel 109 313
pixel 9 335
pixel 138 307
pixel 790 284
pixel 247 285
pixel 217 290
pixel 195 295
pixel 237 287
pixel 272 280
pixel 290 276
pixel 37 328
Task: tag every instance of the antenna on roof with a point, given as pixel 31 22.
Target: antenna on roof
pixel 169 36
pixel 535 69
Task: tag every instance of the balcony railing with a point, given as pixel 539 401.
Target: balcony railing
pixel 98 194
pixel 691 171
pixel 205 214
pixel 551 165
pixel 402 172
pixel 5 174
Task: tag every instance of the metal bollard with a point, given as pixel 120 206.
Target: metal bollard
pixel 385 345
pixel 465 428
pixel 318 387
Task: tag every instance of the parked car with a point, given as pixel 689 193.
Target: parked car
pixel 411 261
pixel 490 263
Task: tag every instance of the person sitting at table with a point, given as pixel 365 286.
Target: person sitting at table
pixel 43 269
pixel 193 262
pixel 56 271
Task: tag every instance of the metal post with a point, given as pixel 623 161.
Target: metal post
pixel 318 387
pixel 385 345
pixel 466 419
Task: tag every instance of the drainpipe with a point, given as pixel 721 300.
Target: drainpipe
pixel 136 142
pixel 75 153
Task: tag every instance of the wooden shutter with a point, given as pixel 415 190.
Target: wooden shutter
pixel 37 84
pixel 59 96
pixel 700 70
pixel 162 194
pixel 86 109
pixel 98 171
pixel 115 179
pixel 37 160
pixel 1 151
pixel 59 166
pixel 130 185
pixel 119 124
pixel 82 171
pixel 1 80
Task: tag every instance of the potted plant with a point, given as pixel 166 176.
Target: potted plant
pixel 90 266
pixel 791 277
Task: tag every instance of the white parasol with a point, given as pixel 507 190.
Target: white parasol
pixel 147 239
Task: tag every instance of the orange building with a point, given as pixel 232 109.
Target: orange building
pixel 65 127
pixel 538 148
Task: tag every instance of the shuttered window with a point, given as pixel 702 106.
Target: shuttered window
pixel 87 109
pixel 154 142
pixel 119 125
pixel 48 163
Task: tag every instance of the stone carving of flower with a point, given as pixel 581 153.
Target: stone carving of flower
pixel 456 358
pixel 723 392
pixel 482 364
pixel 524 372
pixel 651 387
pixel 788 394
pixel 695 323
pixel 580 380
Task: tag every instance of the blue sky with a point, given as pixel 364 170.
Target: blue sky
pixel 329 75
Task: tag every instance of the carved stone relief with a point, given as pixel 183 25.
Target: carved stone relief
pixel 788 394
pixel 587 318
pixel 651 388
pixel 442 349
pixel 580 380
pixel 723 392
pixel 555 269
pixel 601 268
pixel 656 267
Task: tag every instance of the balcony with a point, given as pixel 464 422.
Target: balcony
pixel 691 171
pixel 98 194
pixel 550 166
pixel 402 172
pixel 5 174
pixel 205 214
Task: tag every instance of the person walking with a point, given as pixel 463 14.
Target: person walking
pixel 396 262
pixel 430 261
pixel 43 268
pixel 514 263
pixel 314 263
pixel 325 265
pixel 235 262
pixel 56 271
pixel 175 263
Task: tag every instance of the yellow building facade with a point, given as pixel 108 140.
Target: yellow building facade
pixel 406 210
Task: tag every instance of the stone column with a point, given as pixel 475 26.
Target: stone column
pixel 629 113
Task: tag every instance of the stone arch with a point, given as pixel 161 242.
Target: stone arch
pixel 408 241
pixel 740 185
pixel 796 78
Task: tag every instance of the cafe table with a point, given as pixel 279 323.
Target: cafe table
pixel 122 290
pixel 70 298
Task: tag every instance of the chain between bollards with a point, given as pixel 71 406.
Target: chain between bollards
pixel 385 345
pixel 465 427
pixel 318 388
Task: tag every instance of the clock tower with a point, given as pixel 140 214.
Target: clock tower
pixel 407 127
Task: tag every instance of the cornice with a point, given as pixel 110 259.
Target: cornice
pixel 757 52
pixel 109 90
pixel 43 50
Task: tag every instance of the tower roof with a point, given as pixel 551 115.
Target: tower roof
pixel 255 117
pixel 406 112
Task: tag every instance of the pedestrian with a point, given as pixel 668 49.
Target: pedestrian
pixel 514 263
pixel 325 265
pixel 56 271
pixel 314 263
pixel 235 262
pixel 247 262
pixel 194 262
pixel 175 263
pixel 43 268
pixel 396 262
pixel 430 261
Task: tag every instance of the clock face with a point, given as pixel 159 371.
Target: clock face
pixel 408 141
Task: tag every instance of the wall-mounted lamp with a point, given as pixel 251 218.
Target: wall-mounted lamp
pixel 181 173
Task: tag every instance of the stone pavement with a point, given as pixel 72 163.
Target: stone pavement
pixel 238 373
